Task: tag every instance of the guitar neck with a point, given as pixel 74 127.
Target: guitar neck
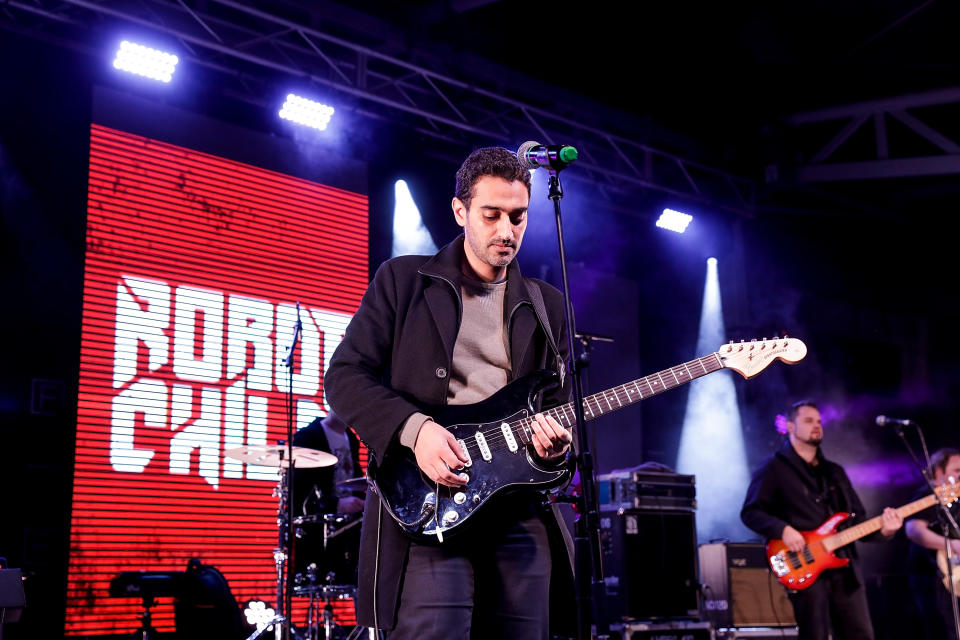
pixel 626 394
pixel 867 527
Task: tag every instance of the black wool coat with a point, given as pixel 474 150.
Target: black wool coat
pixel 395 357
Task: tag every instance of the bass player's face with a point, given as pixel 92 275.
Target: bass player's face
pixel 806 427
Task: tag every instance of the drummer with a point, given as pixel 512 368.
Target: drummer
pixel 328 490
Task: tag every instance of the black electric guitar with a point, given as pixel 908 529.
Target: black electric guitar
pixel 496 435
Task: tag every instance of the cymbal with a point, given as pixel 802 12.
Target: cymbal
pixel 276 456
pixel 353 484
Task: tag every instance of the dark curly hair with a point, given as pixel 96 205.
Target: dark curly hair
pixel 795 409
pixel 488 161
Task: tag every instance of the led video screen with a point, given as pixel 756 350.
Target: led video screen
pixel 194 267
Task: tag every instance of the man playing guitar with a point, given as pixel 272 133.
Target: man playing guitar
pixel 798 489
pixel 925 531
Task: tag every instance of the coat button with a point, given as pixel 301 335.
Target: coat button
pixel 441 372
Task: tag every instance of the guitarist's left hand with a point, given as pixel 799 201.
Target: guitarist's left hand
pixel 891 521
pixel 550 440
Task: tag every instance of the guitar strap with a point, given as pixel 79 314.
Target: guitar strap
pixel 536 296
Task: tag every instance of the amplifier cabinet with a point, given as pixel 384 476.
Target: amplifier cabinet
pixel 649 564
pixel 669 631
pixel 739 590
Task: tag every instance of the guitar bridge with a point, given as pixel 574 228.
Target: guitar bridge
pixel 779 565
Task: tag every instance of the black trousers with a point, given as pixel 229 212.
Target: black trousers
pixel 933 604
pixel 837 601
pixel 490 582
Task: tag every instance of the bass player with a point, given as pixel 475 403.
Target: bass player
pixel 798 489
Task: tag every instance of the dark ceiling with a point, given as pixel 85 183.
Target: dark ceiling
pixel 711 80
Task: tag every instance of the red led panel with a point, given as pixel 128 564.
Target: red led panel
pixel 194 265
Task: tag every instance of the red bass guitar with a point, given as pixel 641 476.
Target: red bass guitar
pixel 800 570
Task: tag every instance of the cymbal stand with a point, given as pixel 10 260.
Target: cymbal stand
pixel 280 553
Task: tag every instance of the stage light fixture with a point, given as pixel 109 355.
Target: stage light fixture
pixel 674 220
pixel 144 61
pixel 259 615
pixel 306 112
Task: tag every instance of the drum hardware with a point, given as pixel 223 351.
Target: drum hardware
pixel 280 456
pixel 323 589
pixel 276 456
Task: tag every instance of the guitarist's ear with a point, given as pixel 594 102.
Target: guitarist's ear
pixel 459 211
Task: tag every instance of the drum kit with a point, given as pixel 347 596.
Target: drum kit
pixel 323 551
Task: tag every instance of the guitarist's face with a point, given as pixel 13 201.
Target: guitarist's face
pixel 493 226
pixel 806 427
pixel 952 470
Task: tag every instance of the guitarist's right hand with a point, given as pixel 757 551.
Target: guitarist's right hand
pixel 793 539
pixel 437 453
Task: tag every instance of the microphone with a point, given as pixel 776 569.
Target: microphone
pixel 884 421
pixel 534 155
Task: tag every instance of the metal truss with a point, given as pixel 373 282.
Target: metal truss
pixel 253 49
pixel 920 148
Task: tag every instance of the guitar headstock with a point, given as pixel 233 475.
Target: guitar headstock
pixel 750 358
pixel 948 493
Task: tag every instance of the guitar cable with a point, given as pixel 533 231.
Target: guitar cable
pixel 376 568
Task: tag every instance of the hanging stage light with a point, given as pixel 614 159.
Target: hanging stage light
pixel 144 61
pixel 674 220
pixel 306 112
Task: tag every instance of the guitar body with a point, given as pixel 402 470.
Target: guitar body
pixel 496 435
pixel 798 571
pixel 412 499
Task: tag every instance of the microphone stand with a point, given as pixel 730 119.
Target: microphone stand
pixel 588 575
pixel 947 522
pixel 285 592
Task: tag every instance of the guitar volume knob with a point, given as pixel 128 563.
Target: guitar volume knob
pixel 450 517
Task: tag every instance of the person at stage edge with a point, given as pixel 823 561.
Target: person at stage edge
pixel 925 531
pixel 797 489
pixel 454 328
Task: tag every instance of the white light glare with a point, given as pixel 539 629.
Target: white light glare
pixel 145 61
pixel 674 220
pixel 306 112
pixel 258 614
pixel 410 236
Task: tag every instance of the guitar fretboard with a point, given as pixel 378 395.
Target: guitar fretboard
pixel 626 394
pixel 867 527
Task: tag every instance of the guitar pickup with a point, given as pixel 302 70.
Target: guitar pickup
pixel 466 452
pixel 484 448
pixel 508 436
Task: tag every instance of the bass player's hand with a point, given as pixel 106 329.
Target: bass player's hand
pixel 793 539
pixel 439 455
